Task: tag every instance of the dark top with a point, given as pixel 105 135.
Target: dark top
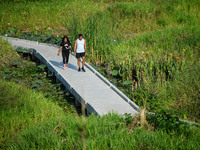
pixel 65 46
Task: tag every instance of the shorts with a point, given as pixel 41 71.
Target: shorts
pixel 79 55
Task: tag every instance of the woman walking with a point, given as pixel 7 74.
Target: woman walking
pixel 65 46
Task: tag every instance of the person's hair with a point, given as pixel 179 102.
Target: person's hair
pixel 80 35
pixel 65 37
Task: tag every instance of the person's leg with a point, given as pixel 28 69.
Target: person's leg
pixel 67 58
pixel 64 58
pixel 79 62
pixel 83 61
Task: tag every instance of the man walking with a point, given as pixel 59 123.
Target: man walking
pixel 80 50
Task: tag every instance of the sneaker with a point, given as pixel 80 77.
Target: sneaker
pixel 65 67
pixel 79 69
pixel 83 69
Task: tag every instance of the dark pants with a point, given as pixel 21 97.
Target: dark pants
pixel 65 55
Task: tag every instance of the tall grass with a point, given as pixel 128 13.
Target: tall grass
pixel 38 16
pixel 148 45
pixel 33 122
pixel 22 109
pixel 156 67
pixel 108 132
pixel 145 51
pixel 125 17
pixel 7 54
pixel 29 120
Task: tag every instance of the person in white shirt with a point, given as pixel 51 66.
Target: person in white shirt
pixel 80 50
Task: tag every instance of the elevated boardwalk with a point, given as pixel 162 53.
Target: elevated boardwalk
pixel 90 88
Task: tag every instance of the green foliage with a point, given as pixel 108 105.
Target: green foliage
pixel 114 72
pixel 34 77
pixel 154 43
pixel 166 120
pixel 7 54
pixel 127 82
pixel 31 121
pixel 22 50
pixel 131 8
pixel 96 132
pixel 22 109
pixel 22 1
pixel 157 67
pixel 186 91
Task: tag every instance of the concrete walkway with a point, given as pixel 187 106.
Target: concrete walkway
pixel 90 88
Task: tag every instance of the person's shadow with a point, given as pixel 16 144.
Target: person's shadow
pixel 60 65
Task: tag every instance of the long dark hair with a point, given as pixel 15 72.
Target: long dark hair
pixel 64 39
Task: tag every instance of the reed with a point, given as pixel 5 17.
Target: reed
pixel 145 45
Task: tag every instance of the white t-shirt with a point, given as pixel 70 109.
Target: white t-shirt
pixel 80 46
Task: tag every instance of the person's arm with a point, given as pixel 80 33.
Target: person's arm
pixel 85 47
pixel 75 47
pixel 59 50
pixel 70 47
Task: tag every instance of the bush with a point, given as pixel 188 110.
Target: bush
pixel 21 109
pixel 7 54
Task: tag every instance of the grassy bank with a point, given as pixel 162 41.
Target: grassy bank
pixel 22 109
pixel 150 48
pixel 164 67
pixel 21 70
pixel 123 18
pixel 29 119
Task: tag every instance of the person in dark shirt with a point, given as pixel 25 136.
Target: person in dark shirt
pixel 65 46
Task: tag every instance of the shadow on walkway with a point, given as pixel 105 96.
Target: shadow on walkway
pixel 60 65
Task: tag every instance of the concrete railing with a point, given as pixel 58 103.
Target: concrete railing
pixel 113 87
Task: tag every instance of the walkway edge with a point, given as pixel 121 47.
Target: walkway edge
pixel 64 81
pixel 114 88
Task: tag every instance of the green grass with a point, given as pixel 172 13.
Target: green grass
pixel 123 19
pixel 150 48
pixel 22 109
pixel 161 64
pixel 29 120
pixel 7 54
pixel 25 72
